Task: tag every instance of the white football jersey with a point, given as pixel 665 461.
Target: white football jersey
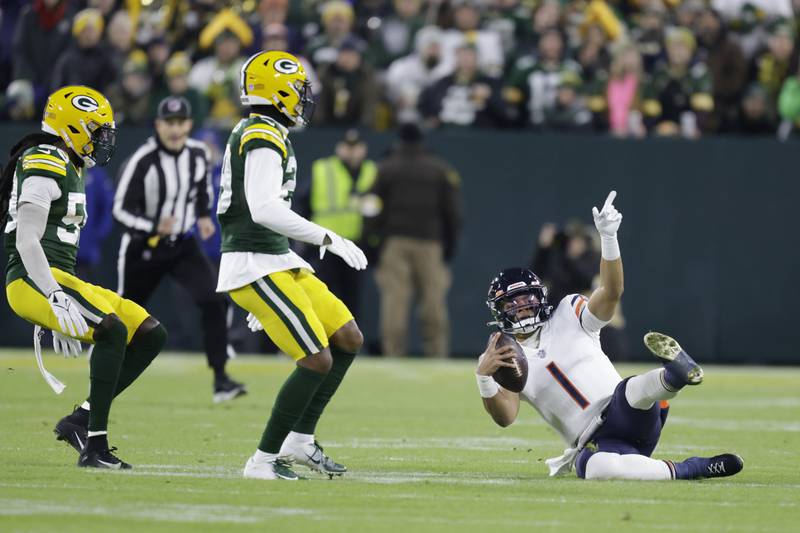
pixel 570 379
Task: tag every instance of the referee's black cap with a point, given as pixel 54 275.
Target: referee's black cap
pixel 174 107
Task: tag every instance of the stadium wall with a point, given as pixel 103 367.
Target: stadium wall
pixel 709 238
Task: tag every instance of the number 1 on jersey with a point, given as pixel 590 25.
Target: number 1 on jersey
pixel 567 385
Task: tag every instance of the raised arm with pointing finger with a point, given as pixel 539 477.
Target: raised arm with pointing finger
pixel 605 298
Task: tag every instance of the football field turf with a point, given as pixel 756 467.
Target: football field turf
pixel 423 456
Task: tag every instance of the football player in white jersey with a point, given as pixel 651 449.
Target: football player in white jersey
pixel 611 425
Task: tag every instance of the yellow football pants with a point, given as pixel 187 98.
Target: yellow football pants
pixel 297 310
pixel 93 302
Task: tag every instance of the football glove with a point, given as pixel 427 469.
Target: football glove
pixel 67 346
pixel 608 219
pixel 253 323
pixel 346 249
pixel 69 317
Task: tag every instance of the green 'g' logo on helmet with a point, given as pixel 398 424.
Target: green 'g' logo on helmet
pixel 286 66
pixel 85 103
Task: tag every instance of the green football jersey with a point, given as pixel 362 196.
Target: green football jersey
pixel 539 84
pixel 239 232
pixel 67 213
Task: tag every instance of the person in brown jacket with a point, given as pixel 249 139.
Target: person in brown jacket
pixel 418 226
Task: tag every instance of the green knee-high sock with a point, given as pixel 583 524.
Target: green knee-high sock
pixel 104 368
pixel 139 354
pixel 341 362
pixel 290 403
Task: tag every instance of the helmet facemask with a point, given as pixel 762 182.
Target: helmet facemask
pixel 301 114
pixel 104 141
pixel 522 311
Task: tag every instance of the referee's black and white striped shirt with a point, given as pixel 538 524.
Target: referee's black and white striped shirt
pixel 156 183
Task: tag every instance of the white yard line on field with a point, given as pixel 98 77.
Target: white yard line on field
pixel 735 425
pixel 194 513
pixel 455 442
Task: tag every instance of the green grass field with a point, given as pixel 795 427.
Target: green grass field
pixel 423 456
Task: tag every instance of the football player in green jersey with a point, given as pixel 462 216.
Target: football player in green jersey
pixel 265 277
pixel 43 208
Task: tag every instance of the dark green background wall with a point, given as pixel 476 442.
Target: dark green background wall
pixel 709 237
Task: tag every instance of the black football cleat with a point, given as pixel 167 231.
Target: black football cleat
pixel 72 429
pixel 102 459
pixel 679 368
pixel 724 465
pixel 226 389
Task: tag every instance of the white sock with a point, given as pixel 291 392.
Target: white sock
pixel 91 434
pixel 605 465
pixel 646 389
pixel 85 405
pixel 264 457
pixel 299 438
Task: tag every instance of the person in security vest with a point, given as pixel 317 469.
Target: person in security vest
pixel 338 186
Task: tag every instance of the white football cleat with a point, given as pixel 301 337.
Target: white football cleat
pixel 312 456
pixel 277 469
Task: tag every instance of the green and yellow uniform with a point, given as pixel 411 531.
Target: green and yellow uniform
pixel 60 243
pixel 535 85
pixel 258 270
pixel 671 92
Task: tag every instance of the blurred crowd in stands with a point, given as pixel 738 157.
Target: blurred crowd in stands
pixel 630 68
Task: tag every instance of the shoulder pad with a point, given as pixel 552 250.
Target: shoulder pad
pixel 46 160
pixel 573 305
pixel 262 134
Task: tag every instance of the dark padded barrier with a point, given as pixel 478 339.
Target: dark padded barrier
pixel 709 238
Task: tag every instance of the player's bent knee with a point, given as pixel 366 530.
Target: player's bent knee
pixel 348 337
pixel 111 329
pixel 153 329
pixel 153 333
pixel 320 362
pixel 604 465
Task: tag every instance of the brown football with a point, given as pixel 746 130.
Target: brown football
pixel 512 379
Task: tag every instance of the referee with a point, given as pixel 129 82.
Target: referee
pixel 164 189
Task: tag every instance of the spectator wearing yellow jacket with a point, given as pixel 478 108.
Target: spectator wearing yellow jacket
pixel 338 185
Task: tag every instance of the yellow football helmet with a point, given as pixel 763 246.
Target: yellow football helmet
pixel 84 120
pixel 278 79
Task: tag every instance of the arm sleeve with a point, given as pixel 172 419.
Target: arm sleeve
pixel 129 198
pixel 263 180
pixel 590 323
pixel 38 190
pixel 31 224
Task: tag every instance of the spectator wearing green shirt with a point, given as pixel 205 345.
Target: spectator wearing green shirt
pixel 532 87
pixel 678 99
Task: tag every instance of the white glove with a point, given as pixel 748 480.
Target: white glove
pixel 253 323
pixel 607 220
pixel 346 249
pixel 67 346
pixel 69 318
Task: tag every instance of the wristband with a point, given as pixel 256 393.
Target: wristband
pixel 609 247
pixel 487 386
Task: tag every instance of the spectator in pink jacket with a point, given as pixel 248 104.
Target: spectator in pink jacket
pixel 622 94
